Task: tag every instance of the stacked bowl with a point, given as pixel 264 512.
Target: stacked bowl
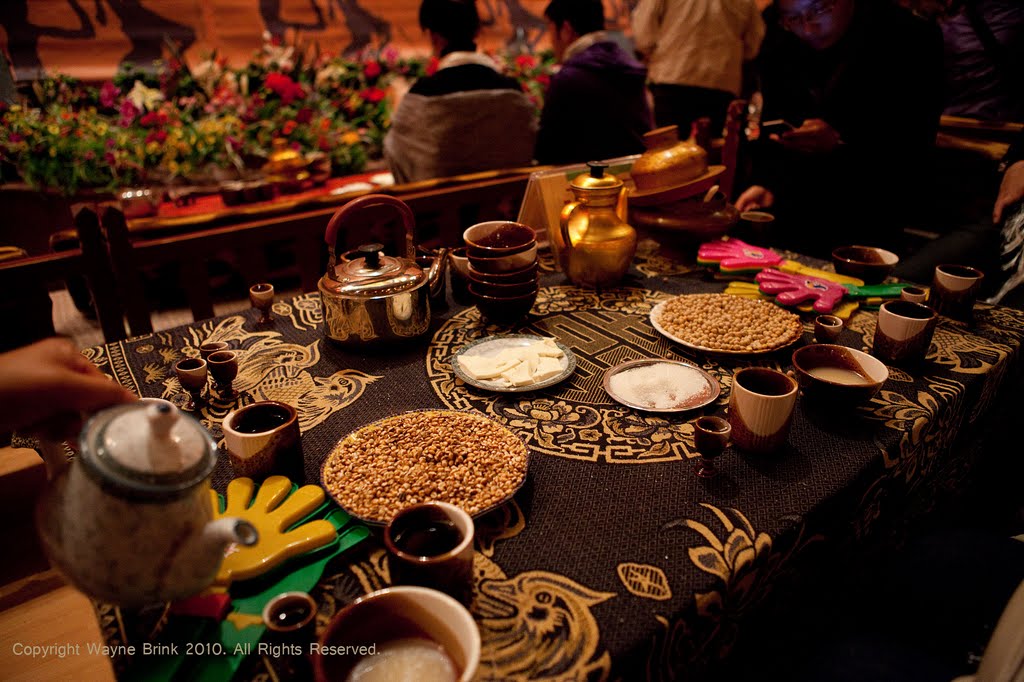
pixel 503 277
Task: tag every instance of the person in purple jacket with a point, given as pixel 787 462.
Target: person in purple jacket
pixel 596 106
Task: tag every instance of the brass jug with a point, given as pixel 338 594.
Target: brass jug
pixel 597 245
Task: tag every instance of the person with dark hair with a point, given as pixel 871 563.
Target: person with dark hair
pixel 695 51
pixel 858 84
pixel 465 117
pixel 596 106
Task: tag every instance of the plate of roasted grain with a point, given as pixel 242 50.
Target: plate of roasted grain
pixel 726 325
pixel 463 458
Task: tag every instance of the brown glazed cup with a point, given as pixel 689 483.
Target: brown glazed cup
pixel 904 332
pixel 223 367
pixel 914 294
pixel 210 347
pixel 431 545
pixel 827 328
pixel 954 291
pixel 290 617
pixel 263 439
pixel 497 238
pixel 761 409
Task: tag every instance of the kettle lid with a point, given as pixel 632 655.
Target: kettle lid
pixel 371 274
pixel 597 178
pixel 147 450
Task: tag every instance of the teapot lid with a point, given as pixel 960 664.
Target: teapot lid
pixel 147 450
pixel 596 178
pixel 373 274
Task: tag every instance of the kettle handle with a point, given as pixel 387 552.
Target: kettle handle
pixel 350 217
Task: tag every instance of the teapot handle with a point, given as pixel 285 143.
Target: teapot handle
pixel 379 207
pixel 563 221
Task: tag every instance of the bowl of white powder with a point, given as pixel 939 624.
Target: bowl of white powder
pixel 659 385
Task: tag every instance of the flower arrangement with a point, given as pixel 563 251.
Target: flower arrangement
pixel 211 122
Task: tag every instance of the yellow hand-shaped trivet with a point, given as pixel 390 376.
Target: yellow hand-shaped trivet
pixel 272 515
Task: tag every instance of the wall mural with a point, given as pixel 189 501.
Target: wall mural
pixel 89 38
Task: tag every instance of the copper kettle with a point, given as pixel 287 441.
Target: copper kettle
pixel 370 297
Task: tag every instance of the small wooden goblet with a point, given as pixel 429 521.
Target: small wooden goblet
pixel 262 298
pixel 210 347
pixel 711 437
pixel 192 373
pixel 224 368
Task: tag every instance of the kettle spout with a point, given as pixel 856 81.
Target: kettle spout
pixel 436 273
pixel 217 535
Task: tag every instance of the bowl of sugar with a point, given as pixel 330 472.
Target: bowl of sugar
pixel 838 374
pixel 659 385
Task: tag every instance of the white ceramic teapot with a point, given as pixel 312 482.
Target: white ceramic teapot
pixel 130 520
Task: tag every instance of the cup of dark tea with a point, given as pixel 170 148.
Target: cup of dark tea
pixel 761 409
pixel 263 439
pixel 710 438
pixel 431 545
pixel 291 617
pixel 262 298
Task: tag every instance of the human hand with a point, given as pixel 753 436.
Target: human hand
pixel 1010 190
pixel 815 136
pixel 755 197
pixel 796 289
pixel 47 386
pixel 273 513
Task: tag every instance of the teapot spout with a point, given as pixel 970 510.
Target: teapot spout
pixel 217 535
pixel 435 275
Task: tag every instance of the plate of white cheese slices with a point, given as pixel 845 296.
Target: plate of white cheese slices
pixel 513 363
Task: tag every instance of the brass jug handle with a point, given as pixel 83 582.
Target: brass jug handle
pixel 563 221
pixel 361 214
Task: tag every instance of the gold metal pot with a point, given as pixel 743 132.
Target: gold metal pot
pixel 596 244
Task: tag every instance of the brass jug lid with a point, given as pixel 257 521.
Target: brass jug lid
pixel 596 178
pixel 372 274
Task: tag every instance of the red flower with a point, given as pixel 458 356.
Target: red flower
pixel 284 87
pixel 323 144
pixel 15 138
pixel 544 80
pixel 108 94
pixel 371 70
pixel 289 127
pixel 432 66
pixel 156 136
pixel 305 115
pixel 525 61
pixel 153 119
pixel 373 95
pixel 110 158
pixel 128 113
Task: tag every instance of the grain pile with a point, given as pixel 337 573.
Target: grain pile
pixel 428 456
pixel 728 323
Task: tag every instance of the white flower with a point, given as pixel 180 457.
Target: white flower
pixel 145 99
pixel 329 74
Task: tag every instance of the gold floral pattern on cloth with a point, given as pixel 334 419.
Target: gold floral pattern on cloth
pixel 651 262
pixel 576 419
pixel 269 368
pixel 536 625
pixel 645 581
pixel 745 564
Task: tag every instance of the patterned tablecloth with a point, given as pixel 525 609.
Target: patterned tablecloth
pixel 614 560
